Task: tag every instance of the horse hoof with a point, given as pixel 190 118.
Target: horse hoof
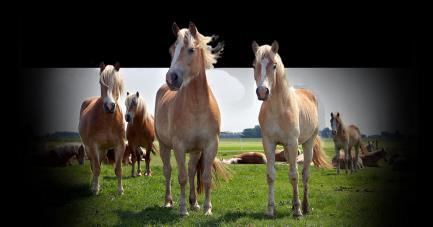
pixel 139 174
pixel 120 191
pixel 148 174
pixel 195 207
pixel 184 213
pixel 208 213
pixel 297 214
pixel 270 214
pixel 168 205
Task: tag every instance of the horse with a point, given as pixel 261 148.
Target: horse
pixel 345 138
pixel 62 155
pixel 187 117
pixel 287 117
pixel 140 131
pixel 101 124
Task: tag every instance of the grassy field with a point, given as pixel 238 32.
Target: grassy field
pixel 370 197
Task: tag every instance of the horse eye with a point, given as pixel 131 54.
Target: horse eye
pixel 275 66
pixel 191 50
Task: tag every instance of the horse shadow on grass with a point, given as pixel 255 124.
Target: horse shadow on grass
pixel 231 217
pixel 154 215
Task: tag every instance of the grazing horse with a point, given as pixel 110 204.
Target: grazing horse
pixel 101 125
pixel 187 117
pixel 140 131
pixel 287 117
pixel 345 138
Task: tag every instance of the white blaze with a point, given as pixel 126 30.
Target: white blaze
pixel 176 54
pixel 264 63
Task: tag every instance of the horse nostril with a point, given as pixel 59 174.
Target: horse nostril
pixel 113 105
pixel 267 91
pixel 174 77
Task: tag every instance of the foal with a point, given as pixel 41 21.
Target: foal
pixel 345 138
pixel 140 131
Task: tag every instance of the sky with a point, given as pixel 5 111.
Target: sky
pixel 363 96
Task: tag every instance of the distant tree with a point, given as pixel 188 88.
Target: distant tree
pixel 325 133
pixel 255 132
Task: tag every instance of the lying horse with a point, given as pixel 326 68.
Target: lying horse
pixel 259 158
pixel 62 155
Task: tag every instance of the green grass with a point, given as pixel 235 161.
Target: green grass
pixel 367 198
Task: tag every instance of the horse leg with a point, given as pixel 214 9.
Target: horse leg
pixel 346 157
pixel 147 160
pixel 138 155
pixel 356 157
pixel 194 157
pixel 165 154
pixel 118 155
pixel 292 149
pixel 308 156
pixel 133 158
pixel 209 154
pixel 182 178
pixel 269 148
pixel 96 168
pixel 337 156
pixel 350 159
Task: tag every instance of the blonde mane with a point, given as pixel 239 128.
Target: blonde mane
pixel 210 54
pixel 141 105
pixel 113 80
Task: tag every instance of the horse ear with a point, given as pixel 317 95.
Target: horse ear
pixel 275 47
pixel 338 114
pixel 175 29
pixel 192 29
pixel 255 46
pixel 138 94
pixel 332 114
pixel 117 66
pixel 127 93
pixel 101 66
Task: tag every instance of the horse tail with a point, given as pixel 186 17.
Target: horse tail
pixel 363 148
pixel 319 155
pixel 154 150
pixel 219 172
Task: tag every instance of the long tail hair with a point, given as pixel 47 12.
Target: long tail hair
pixel 219 172
pixel 154 150
pixel 320 159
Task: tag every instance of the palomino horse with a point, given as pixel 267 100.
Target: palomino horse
pixel 187 117
pixel 140 131
pixel 345 138
pixel 287 117
pixel 101 124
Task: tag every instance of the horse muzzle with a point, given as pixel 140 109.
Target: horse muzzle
pixel 262 93
pixel 128 118
pixel 173 80
pixel 109 107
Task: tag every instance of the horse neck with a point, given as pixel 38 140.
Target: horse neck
pixel 341 128
pixel 196 93
pixel 280 97
pixel 141 114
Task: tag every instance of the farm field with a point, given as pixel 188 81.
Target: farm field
pixel 371 197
